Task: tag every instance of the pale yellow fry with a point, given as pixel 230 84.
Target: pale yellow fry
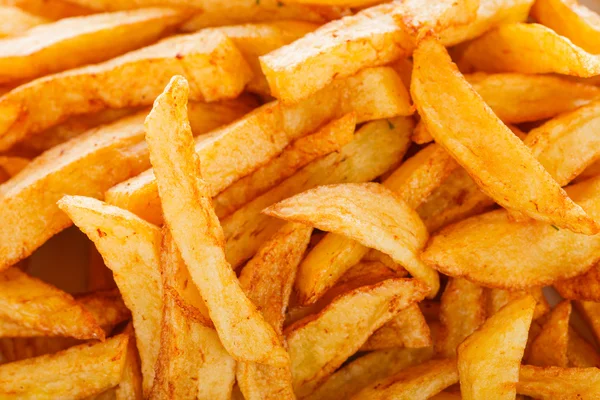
pixel 590 311
pixel 14 21
pixel 240 148
pixel 74 373
pixel 580 352
pixel 414 383
pixel 320 344
pixel 554 383
pixel 392 227
pixel 107 308
pixel 581 287
pixel 529 49
pixel 196 230
pixel 489 359
pixel 332 137
pixel 484 146
pixel 133 79
pixel 572 20
pixel 78 41
pixel 130 247
pixel 498 298
pixel 550 346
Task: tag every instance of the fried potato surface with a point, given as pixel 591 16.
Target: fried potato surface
pixel 550 346
pixel 581 353
pixel 10 166
pixel 50 9
pixel 556 383
pixel 130 386
pixel 15 21
pixel 581 287
pixel 590 311
pixel 498 298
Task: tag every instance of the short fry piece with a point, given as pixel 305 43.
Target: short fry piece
pixel 407 329
pixel 498 298
pixel 581 353
pixel 554 383
pixel 550 346
pixel 581 287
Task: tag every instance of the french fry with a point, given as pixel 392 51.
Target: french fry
pixel 498 298
pixel 346 210
pixel 580 352
pixel 263 134
pixel 16 21
pixel 554 383
pixel 528 49
pixel 267 279
pixel 75 373
pixel 570 19
pixel 590 311
pixel 419 382
pixel 462 312
pixel 187 207
pixel 332 137
pixel 460 130
pixel 341 48
pixel 344 3
pixel 73 42
pixel 131 249
pixel 376 148
pixel 550 347
pixel 117 83
pixel 10 166
pixel 50 9
pixel 99 276
pixel 107 308
pixel 518 254
pixel 489 359
pixel 341 328
pixel 581 287
pixel 130 386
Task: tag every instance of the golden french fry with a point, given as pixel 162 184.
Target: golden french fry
pixel 14 21
pixel 73 42
pixel 344 3
pixel 130 386
pixel 418 382
pixel 580 352
pixel 49 9
pixel 261 135
pixel 346 209
pixel 100 277
pixel 341 48
pixel 489 359
pixel 498 298
pixel 590 311
pixel 550 346
pixel 376 148
pixel 341 328
pixel 10 166
pixel 131 249
pixel 516 254
pixel 554 383
pixel 74 373
pixel 462 312
pixel 570 19
pixel 581 287
pixel 466 132
pixel 107 308
pixel 332 137
pixel 187 207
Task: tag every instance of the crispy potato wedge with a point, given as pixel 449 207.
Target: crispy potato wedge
pixel 554 383
pixel 590 311
pixel 100 277
pixel 498 298
pixel 580 352
pixel 581 287
pixel 130 387
pixel 550 346
pixel 267 279
pixel 375 149
pixel 414 383
pixel 570 19
pixel 73 42
pixel 107 308
pixel 131 249
pixel 515 254
pixel 367 369
pixel 20 348
pixel 10 166
pixel 15 21
pixel 462 312
pixel 341 328
pixel 528 49
pixel 263 134
pixel 187 207
pixel 118 83
pixel 392 227
pixel 332 137
pixel 489 359
pixel 375 36
pixel 50 9
pixel 74 373
pixel 465 133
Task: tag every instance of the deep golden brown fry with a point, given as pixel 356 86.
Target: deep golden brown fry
pixel 549 348
pixel 581 287
pixel 14 21
pixel 590 311
pixel 554 383
pixel 581 353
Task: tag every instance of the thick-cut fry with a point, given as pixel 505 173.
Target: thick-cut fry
pixel 572 20
pixel 10 166
pixel 50 9
pixel 14 21
pixel 516 254
pixel 582 287
pixel 550 347
pixel 267 279
pixel 107 307
pixel 130 248
pixel 462 312
pixel 529 49
pixel 332 137
pixel 498 298
pixel 319 344
pixel 484 146
pixel 130 387
pixel 185 198
pixel 367 369
pixel 415 383
pixel 376 148
pixel 74 373
pixel 554 383
pixel 489 359
pixel 242 147
pixel 392 228
pixel 375 36
pixel 590 311
pixel 581 353
pixel 131 80
pixel 74 42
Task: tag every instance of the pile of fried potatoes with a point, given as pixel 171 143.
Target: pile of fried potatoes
pixel 300 199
